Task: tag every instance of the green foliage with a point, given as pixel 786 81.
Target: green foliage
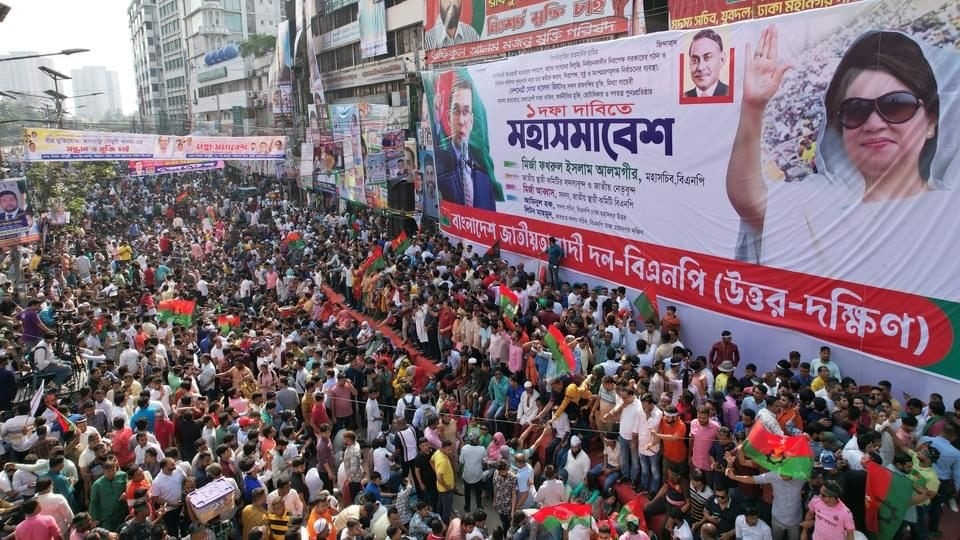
pixel 258 45
pixel 55 184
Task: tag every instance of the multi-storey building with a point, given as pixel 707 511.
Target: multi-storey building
pixel 96 79
pixel 144 25
pixel 24 76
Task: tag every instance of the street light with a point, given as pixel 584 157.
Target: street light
pixel 65 52
pixel 55 94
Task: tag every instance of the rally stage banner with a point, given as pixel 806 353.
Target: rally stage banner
pixel 149 167
pixel 41 144
pixel 706 13
pixel 462 29
pixel 797 172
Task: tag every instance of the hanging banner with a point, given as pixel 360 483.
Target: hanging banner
pixel 428 175
pixel 306 160
pixel 149 167
pixel 283 100
pixel 316 81
pixel 466 29
pixel 787 173
pixel 373 28
pixel 41 144
pixel 346 131
pixel 706 13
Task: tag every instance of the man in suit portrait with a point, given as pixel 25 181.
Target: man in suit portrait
pixel 10 205
pixel 448 29
pixel 460 178
pixel 706 60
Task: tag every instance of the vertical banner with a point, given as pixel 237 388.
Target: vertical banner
pixel 467 29
pixel 373 28
pixel 316 82
pixel 814 158
pixel 346 132
pixel 428 175
pixel 17 225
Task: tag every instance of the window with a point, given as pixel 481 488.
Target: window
pixel 154 72
pixel 338 18
pixel 148 25
pixel 155 87
pixel 149 41
pixel 232 5
pixel 233 22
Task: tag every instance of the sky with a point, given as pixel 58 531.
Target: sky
pixel 54 25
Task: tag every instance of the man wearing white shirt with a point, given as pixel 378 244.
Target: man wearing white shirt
pixel 314 484
pixel 19 431
pixel 140 450
pixel 527 410
pixel 630 338
pixel 578 463
pixel 648 444
pixel 167 487
pixel 858 447
pixel 749 526
pixel 629 414
pixel 53 504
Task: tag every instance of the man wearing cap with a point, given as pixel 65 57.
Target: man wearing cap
pixel 527 408
pixel 577 464
pixel 724 350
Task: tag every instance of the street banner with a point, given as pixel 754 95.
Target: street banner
pixel 797 172
pixel 41 144
pixel 17 223
pixel 466 29
pixel 346 132
pixel 372 16
pixel 428 178
pixel 316 81
pixel 707 13
pixel 149 167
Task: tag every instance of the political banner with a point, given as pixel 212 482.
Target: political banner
pixel 346 132
pixel 149 167
pixel 790 172
pixel 428 179
pixel 372 17
pixel 465 29
pixel 41 144
pixel 707 13
pixel 17 223
pixel 316 81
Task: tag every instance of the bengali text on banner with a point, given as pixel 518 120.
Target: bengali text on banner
pixel 806 164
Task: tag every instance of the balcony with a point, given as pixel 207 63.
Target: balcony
pixel 213 30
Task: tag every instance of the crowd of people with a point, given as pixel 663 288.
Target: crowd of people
pixel 339 396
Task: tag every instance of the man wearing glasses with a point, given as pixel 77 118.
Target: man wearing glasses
pixel 460 178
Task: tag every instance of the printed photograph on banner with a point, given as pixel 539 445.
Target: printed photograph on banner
pixel 453 22
pixel 47 145
pixel 465 169
pixel 813 200
pixel 16 215
pixel 428 177
pixel 376 168
pixel 707 68
pixel 372 17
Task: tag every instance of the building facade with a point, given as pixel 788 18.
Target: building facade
pixel 94 79
pixel 144 24
pixel 24 76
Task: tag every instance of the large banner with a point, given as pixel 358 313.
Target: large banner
pixel 346 132
pixel 316 81
pixel 17 224
pixel 791 172
pixel 373 28
pixel 706 13
pixel 149 167
pixel 41 144
pixel 462 29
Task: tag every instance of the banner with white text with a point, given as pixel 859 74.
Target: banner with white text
pixel 457 30
pixel 41 144
pixel 798 172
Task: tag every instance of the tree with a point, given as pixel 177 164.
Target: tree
pixel 258 45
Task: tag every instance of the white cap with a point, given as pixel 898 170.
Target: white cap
pixel 528 384
pixel 575 441
pixel 472 360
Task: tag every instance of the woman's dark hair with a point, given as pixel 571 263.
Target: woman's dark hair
pixel 899 56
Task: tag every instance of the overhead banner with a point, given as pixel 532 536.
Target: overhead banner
pixel 41 144
pixel 706 13
pixel 373 28
pixel 798 173
pixel 457 30
pixel 150 167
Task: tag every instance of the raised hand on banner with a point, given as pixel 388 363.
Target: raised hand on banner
pixel 763 72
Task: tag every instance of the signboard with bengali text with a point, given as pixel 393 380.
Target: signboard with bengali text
pixel 766 170
pixel 41 144
pixel 707 13
pixel 479 28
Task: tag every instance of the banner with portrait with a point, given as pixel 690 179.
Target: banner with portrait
pixel 372 17
pixel 345 120
pixel 707 13
pixel 796 172
pixel 316 80
pixel 17 223
pixel 465 29
pixel 150 167
pixel 428 182
pixel 42 144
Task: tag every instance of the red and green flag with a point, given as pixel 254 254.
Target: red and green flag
pixel 400 243
pixel 183 196
pixel 889 495
pixel 374 262
pixel 509 302
pixel 228 323
pixel 788 456
pixel 646 305
pixel 562 354
pixel 632 508
pixel 554 518
pixel 176 311
pixel 493 252
pixel 65 423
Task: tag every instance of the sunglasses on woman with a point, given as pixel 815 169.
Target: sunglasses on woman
pixel 894 108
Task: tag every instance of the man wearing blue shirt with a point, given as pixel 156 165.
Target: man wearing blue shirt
pixel 947 468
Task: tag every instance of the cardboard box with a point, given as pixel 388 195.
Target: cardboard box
pixel 212 501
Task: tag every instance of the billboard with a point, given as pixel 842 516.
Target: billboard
pixel 464 29
pixel 766 170
pixel 149 167
pixel 41 144
pixel 372 17
pixel 17 224
pixel 706 13
pixel 345 120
